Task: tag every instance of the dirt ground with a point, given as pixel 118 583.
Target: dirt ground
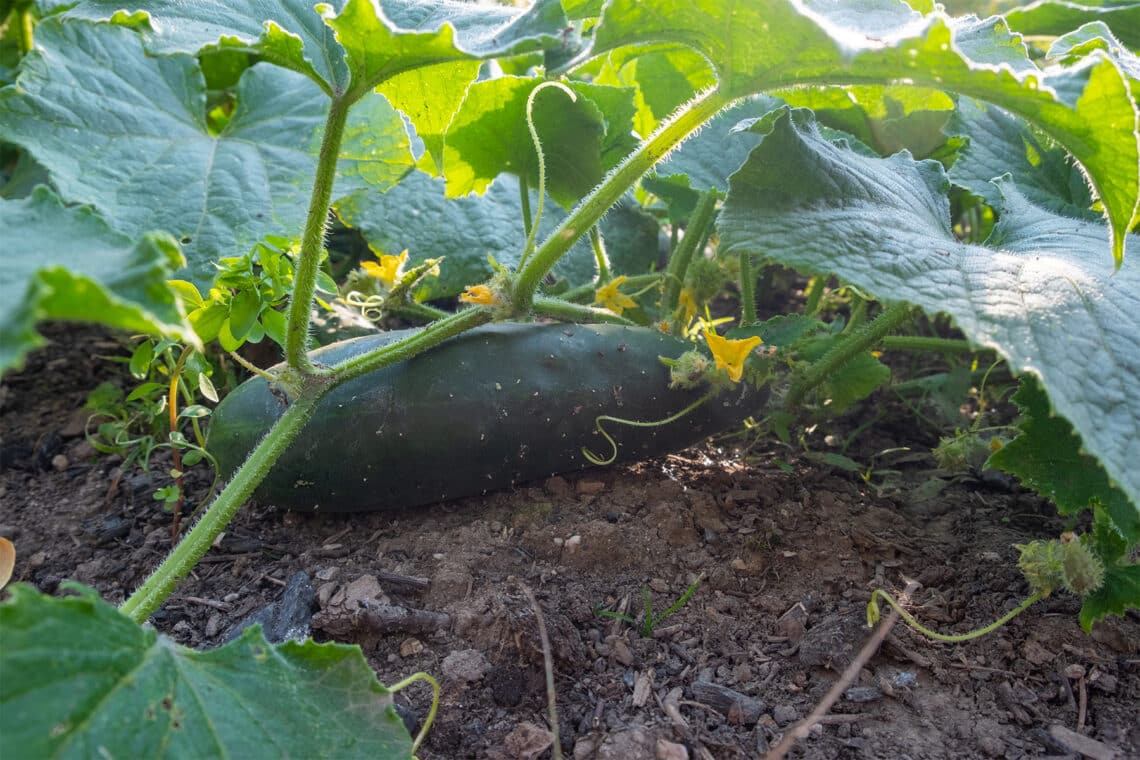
pixel 787 551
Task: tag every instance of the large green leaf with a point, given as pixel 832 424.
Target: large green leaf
pixel 581 139
pixel 126 132
pixel 1120 593
pixel 999 144
pixel 287 33
pixel 1037 291
pixel 763 45
pixel 80 680
pixel 1058 17
pixel 66 263
pixel 422 34
pixel 415 215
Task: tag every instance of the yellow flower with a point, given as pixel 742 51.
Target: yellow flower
pixel 479 294
pixel 689 304
pixel 609 297
pixel 388 270
pixel 730 354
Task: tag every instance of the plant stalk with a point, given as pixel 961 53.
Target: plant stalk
pixel 587 213
pixel 747 290
pixel 923 343
pixel 575 312
pixel 851 345
pixel 600 256
pixel 313 239
pixel 683 254
pixel 182 559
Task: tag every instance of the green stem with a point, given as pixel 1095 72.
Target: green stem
pixel 413 678
pixel 683 254
pixel 600 255
pixel 601 198
pixel 524 203
pixel 873 616
pixel 814 293
pixel 922 343
pixel 532 233
pixel 430 336
pixel 312 240
pixel 162 582
pixel 858 314
pixel 747 290
pixel 416 310
pixel 566 311
pixel 850 346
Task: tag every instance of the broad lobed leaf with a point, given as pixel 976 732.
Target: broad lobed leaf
pixel 126 132
pixel 66 263
pixel 1037 291
pixel 140 695
pixel 769 44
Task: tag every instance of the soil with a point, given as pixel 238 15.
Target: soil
pixel 786 549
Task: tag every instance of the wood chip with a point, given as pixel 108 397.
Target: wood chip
pixel 1085 745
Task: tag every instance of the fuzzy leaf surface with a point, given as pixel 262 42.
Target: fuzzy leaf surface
pixel 122 690
pixel 65 263
pixel 118 128
pixel 1037 292
pixel 1058 17
pixel 1086 104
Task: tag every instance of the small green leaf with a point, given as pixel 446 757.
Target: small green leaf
pixel 206 387
pixel 244 309
pixel 195 411
pixel 273 322
pixel 71 696
pixel 141 358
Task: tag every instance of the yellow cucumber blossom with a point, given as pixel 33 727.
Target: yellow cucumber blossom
pixel 388 271
pixel 609 297
pixel 730 354
pixel 480 295
pixel 687 302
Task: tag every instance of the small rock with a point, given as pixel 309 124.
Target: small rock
pixel 527 741
pixel 667 750
pixel 411 647
pixel 36 560
pixel 76 424
pixel 91 571
pixel 213 625
pixel 643 688
pixel 1102 681
pixel 660 585
pixel 60 462
pixel 82 451
pixel 793 623
pixel 465 666
pixel 621 652
pixel 286 619
pixel 572 544
pixel 992 746
pixel 327 573
pixel 785 715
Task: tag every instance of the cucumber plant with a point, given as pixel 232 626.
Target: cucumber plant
pixel 242 127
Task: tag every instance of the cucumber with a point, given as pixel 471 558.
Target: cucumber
pixel 498 405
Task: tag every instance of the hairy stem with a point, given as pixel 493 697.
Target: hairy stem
pixel 313 239
pixel 430 336
pixel 587 213
pixel 950 638
pixel 162 582
pixel 524 203
pixel 683 254
pixel 922 343
pixel 848 348
pixel 601 258
pixel 575 312
pixel 747 290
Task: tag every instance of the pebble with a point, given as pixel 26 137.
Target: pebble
pixel 621 652
pixel 410 647
pixel 465 666
pixel 785 714
pixel 60 462
pixel 667 750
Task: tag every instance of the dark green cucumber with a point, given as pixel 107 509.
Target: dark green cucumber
pixel 499 405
